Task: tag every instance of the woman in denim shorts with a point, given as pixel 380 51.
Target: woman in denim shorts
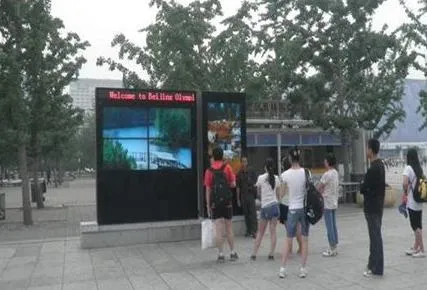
pixel 268 186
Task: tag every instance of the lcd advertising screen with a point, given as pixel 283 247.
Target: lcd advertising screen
pixel 146 138
pixel 225 131
pixel 146 155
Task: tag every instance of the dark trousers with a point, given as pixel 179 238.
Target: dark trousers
pixel 249 211
pixel 376 253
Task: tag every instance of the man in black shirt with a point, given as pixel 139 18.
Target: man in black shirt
pixel 373 190
pixel 246 193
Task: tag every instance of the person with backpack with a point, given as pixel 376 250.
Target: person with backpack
pixel 268 185
pixel 411 176
pixel 295 180
pixel 284 205
pixel 373 190
pixel 219 180
pixel 328 187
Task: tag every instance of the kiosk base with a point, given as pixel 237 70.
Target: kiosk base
pixel 93 235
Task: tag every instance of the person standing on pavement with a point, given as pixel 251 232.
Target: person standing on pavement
pixel 373 190
pixel 412 172
pixel 328 187
pixel 284 204
pixel 268 185
pixel 246 193
pixel 221 212
pixel 295 179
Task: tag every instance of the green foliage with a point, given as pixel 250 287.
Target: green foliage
pixel 414 35
pixel 173 127
pixel 116 157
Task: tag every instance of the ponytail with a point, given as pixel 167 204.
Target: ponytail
pixel 269 166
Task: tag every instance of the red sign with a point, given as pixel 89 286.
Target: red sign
pixel 147 96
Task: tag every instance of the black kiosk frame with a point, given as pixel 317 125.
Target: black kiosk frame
pixel 144 174
pixel 219 109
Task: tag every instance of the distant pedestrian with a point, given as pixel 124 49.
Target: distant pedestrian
pixel 329 186
pixel 412 172
pixel 246 194
pixel 373 190
pixel 268 185
pixel 219 179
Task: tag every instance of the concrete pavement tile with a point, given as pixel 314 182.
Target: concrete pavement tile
pixel 14 284
pixel 78 275
pixel 102 273
pixel 48 272
pixel 213 279
pixel 51 287
pixel 122 284
pixel 154 282
pixel 88 285
pixel 22 261
pixel 6 253
pixel 16 273
pixel 28 251
pixel 3 264
pixel 45 281
pixel 127 252
pixel 53 247
pixel 182 280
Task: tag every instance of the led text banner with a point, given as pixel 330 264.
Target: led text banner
pixel 151 96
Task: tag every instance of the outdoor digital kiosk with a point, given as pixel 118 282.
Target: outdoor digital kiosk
pixel 146 156
pixel 224 125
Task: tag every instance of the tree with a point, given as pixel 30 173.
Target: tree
pixel 358 74
pixel 13 101
pixel 176 50
pixel 414 34
pixel 52 62
pixel 231 55
pixel 38 63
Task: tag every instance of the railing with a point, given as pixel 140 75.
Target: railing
pixel 276 110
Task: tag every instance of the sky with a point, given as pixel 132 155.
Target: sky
pixel 98 21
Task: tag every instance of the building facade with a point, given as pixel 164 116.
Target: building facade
pixel 82 91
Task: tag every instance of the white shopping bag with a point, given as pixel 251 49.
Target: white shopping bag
pixel 208 234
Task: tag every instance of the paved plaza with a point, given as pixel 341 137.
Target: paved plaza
pixel 61 264
pixel 48 255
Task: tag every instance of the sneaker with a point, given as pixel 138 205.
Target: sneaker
pixel 418 254
pixel 221 258
pixel 234 257
pixel 368 273
pixel 282 273
pixel 410 251
pixel 253 258
pixel 330 253
pixel 302 272
pixel 270 257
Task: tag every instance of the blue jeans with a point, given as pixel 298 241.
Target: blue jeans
pixel 331 227
pixel 295 217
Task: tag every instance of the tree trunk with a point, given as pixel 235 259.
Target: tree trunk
pixel 26 203
pixel 345 137
pixel 38 191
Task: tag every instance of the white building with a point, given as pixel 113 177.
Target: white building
pixel 83 91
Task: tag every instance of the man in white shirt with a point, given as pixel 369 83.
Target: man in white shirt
pixel 329 186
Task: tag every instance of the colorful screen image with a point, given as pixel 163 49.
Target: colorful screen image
pixel 147 138
pixel 224 130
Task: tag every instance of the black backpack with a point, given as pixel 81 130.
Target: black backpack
pixel 221 191
pixel 314 203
